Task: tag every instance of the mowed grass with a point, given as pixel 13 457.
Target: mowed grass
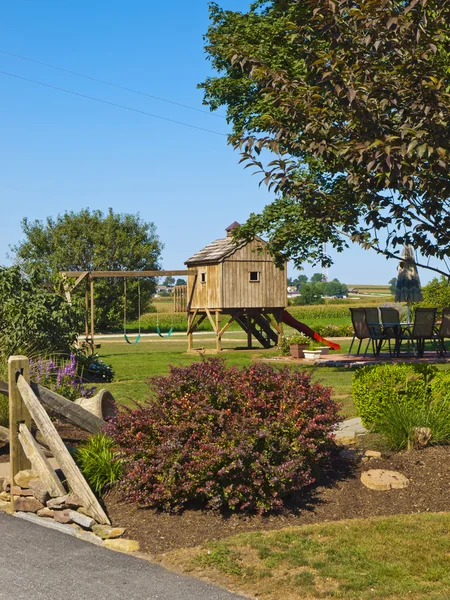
pixel 400 557
pixel 135 364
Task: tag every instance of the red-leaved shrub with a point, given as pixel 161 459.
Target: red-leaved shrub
pixel 228 438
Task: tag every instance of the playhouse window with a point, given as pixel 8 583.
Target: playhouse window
pixel 254 275
pixel 203 277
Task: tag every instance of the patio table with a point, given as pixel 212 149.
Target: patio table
pixel 397 329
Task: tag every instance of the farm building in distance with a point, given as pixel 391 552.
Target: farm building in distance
pixel 237 279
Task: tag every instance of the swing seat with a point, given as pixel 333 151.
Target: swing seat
pixel 158 331
pixel 134 342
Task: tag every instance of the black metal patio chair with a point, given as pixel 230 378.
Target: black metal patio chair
pixel 362 331
pixel 443 331
pixel 422 330
pixel 376 328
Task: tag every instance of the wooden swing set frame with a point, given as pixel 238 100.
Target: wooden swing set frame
pixel 89 276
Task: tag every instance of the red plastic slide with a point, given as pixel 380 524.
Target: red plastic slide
pixel 289 320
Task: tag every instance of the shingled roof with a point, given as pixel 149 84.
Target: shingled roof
pixel 214 252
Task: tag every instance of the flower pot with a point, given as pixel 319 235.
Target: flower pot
pixel 324 349
pixel 312 354
pixel 296 350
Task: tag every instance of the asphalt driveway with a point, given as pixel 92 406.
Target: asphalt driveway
pixel 37 563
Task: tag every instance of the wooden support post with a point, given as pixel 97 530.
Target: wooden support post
pixel 18 413
pixel 249 331
pixel 40 462
pixel 218 336
pixel 86 312
pixel 189 331
pixel 73 475
pixel 92 312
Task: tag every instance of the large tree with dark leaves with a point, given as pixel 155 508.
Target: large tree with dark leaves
pixel 92 241
pixel 343 107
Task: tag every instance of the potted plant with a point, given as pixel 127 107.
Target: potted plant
pixel 297 344
pixel 313 352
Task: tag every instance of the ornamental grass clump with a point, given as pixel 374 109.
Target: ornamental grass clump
pixel 398 400
pixel 225 438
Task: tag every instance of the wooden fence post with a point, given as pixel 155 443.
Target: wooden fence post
pixel 18 413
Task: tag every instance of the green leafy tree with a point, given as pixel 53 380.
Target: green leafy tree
pixel 343 108
pixel 180 282
pixel 169 281
pixel 92 241
pixel 33 320
pixel 436 294
pixel 317 278
pixel 310 293
pixel 393 285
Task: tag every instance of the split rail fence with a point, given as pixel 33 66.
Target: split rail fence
pixel 26 405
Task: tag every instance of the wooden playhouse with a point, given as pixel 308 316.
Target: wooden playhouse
pixel 240 280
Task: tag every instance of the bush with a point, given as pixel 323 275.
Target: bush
pixel 226 438
pixel 286 341
pixel 375 388
pixel 4 411
pixel 91 368
pixel 436 294
pixel 99 463
pixel 33 320
pixel 396 399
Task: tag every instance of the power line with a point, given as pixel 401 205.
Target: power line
pixel 120 87
pixel 123 106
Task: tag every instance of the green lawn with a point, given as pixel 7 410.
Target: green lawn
pixel 396 558
pixel 134 364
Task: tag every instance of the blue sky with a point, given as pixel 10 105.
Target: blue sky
pixel 63 152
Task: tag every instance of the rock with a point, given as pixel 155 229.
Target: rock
pixel 349 439
pixel 380 479
pixel 39 490
pixel 6 484
pixel 57 503
pixel 122 545
pixel 370 455
pixel 7 507
pixel 23 477
pixel 85 511
pixel 106 532
pixel 45 512
pixel 27 504
pixel 62 516
pixel 80 519
pixel 73 501
pixel 18 491
pixel 5 496
pixel 420 437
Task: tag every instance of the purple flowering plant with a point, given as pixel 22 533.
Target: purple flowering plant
pixel 60 375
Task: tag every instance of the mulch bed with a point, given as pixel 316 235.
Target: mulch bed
pixel 339 495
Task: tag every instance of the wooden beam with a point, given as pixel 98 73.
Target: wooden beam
pixel 92 311
pixel 211 320
pixel 40 463
pixel 18 413
pixel 225 327
pixel 126 273
pixel 194 283
pixel 76 414
pixel 79 280
pixel 74 477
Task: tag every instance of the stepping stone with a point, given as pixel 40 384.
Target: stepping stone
pixel 382 480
